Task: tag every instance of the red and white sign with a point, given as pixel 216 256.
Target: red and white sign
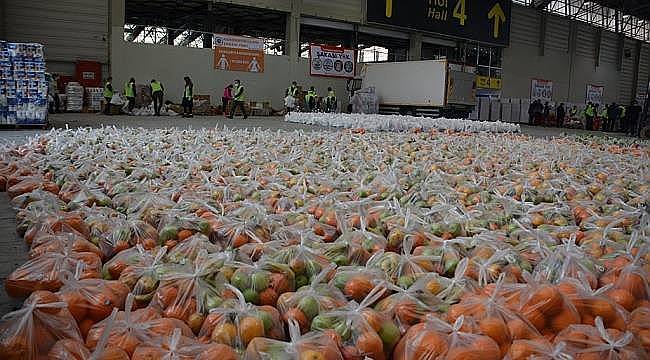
pixel 332 61
pixel 595 94
pixel 541 90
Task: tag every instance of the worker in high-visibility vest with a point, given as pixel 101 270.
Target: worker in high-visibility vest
pixel 293 90
pixel 331 100
pixel 238 100
pixel 310 99
pixel 129 93
pixel 188 98
pixel 589 116
pixel 108 95
pixel 604 118
pixel 157 91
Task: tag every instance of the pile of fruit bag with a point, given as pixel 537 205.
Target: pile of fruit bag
pixel 309 301
pixel 139 270
pixel 313 345
pixel 91 300
pixel 235 323
pixel 45 272
pixel 30 332
pixel 436 339
pixel 189 291
pixel 261 282
pixel 181 347
pixel 75 349
pixel 363 331
pixel 130 329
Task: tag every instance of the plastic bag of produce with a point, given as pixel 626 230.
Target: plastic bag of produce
pixel 598 342
pixel 539 349
pixel 630 288
pixel 30 332
pixel 53 223
pixel 445 254
pixel 304 261
pixel 448 290
pixel 640 326
pixel 46 243
pixel 356 326
pixel 261 282
pixel 188 291
pixel 179 347
pixel 76 349
pixel 188 250
pixel 309 301
pixel 591 304
pixel 403 269
pixel 569 260
pixel 435 339
pixel 38 195
pixel 356 282
pixel 44 272
pixel 125 233
pixel 178 226
pixel 494 319
pixel 235 323
pixel 407 307
pixel 91 300
pixel 133 328
pixel 234 233
pixel 314 345
pixel 27 184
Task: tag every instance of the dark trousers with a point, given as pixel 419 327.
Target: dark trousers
pixel 590 123
pixel 187 106
pixel 237 104
pixel 107 108
pixel 331 105
pixel 157 102
pixel 55 105
pixel 224 104
pixel 605 125
pixel 131 103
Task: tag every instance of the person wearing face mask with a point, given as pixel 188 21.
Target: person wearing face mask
pixel 238 100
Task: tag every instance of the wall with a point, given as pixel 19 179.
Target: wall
pixel 570 65
pixel 71 30
pixel 170 64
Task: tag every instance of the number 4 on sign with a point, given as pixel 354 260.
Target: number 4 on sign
pixel 499 16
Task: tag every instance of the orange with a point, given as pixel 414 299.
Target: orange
pixel 369 343
pixel 358 288
pixel 249 328
pixel 299 316
pixel 495 328
pixel 224 333
pixel 622 297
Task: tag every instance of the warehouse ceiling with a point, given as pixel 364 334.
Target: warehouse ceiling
pixel 638 8
pixel 200 15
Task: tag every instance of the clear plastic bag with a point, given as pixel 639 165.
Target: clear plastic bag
pixel 435 339
pixel 91 300
pixel 179 347
pixel 640 326
pixel 187 292
pixel 58 243
pixel 30 332
pixel 631 289
pixel 235 323
pixel 403 269
pixel 261 282
pixel 315 345
pixel 597 342
pixel 309 301
pixel 356 282
pixel 133 328
pixel 304 261
pixel 44 272
pixel 75 349
pixel 358 334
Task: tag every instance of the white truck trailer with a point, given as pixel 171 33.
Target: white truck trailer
pixel 430 88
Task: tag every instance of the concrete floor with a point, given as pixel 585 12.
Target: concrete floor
pixel 14 251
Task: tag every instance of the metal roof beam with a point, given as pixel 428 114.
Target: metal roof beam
pixel 540 4
pixel 135 33
pixel 193 36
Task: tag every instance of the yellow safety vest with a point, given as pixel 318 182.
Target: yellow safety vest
pixel 128 90
pixel 241 96
pixel 108 93
pixel 188 92
pixel 310 94
pixel 331 95
pixel 156 86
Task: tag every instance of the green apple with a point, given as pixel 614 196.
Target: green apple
pixel 309 306
pixel 389 334
pixel 267 319
pixel 251 296
pixel 301 280
pixel 240 280
pixel 321 322
pixel 260 280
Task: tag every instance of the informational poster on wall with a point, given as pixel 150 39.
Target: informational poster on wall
pixel 541 90
pixel 332 61
pixel 238 53
pixel 595 94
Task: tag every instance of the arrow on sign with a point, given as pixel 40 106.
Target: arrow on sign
pixel 499 16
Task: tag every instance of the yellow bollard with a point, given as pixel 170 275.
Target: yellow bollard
pixel 389 8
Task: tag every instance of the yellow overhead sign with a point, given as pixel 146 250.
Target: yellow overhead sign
pixel 486 82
